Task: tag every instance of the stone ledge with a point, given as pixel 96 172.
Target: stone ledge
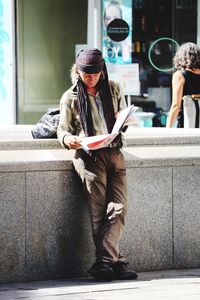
pixel 161 136
pixel 32 160
pixel 18 137
pixel 162 155
pixel 45 223
pixel 13 132
pixel 29 144
pixel 61 159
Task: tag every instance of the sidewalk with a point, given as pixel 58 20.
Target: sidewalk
pixel 162 285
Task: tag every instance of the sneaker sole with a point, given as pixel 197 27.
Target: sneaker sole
pixel 126 277
pixel 106 275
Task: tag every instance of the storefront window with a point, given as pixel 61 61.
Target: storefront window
pixel 158 28
pixel 48 32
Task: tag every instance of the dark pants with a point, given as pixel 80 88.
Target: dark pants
pixel 104 180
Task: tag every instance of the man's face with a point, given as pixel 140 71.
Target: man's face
pixel 90 80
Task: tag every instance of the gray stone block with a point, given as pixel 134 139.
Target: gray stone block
pixel 58 236
pixel 44 220
pixel 147 240
pixel 186 211
pixel 12 226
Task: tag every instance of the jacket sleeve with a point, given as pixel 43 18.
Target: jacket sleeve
pixel 65 126
pixel 122 100
pixel 119 101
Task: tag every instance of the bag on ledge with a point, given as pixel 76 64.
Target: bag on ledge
pixel 46 128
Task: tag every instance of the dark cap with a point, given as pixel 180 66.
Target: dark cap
pixel 90 61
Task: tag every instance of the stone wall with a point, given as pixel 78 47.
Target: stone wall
pixel 44 222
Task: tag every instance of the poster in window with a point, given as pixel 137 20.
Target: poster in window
pixel 117 31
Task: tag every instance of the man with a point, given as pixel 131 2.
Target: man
pixel 90 108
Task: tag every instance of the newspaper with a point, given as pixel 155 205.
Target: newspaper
pixel 126 117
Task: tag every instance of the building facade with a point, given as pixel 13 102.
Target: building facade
pixel 45 36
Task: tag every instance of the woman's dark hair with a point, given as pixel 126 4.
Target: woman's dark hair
pixel 187 56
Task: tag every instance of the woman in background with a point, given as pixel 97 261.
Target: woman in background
pixel 185 87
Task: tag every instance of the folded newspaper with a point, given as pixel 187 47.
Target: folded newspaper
pixel 126 117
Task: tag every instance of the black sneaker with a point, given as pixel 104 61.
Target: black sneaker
pixel 123 272
pixel 102 271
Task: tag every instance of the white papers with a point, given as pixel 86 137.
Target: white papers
pixel 98 142
pixel 125 118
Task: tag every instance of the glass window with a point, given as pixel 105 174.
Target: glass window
pixel 158 28
pixel 47 34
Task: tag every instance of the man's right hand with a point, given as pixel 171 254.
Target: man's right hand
pixel 72 141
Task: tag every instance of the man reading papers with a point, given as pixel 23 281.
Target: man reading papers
pixel 126 117
pixel 90 107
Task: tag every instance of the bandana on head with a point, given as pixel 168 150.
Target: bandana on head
pixel 91 61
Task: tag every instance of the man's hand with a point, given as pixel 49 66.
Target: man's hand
pixel 72 141
pixel 116 115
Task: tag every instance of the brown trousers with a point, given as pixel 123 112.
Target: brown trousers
pixel 104 181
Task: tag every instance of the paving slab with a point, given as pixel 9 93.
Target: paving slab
pixel 159 285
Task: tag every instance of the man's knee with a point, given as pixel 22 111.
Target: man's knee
pixel 115 210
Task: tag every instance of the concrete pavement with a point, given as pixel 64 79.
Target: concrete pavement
pixel 159 285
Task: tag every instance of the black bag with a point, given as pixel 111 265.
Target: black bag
pixel 46 128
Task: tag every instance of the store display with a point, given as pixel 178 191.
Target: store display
pixel 159 27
